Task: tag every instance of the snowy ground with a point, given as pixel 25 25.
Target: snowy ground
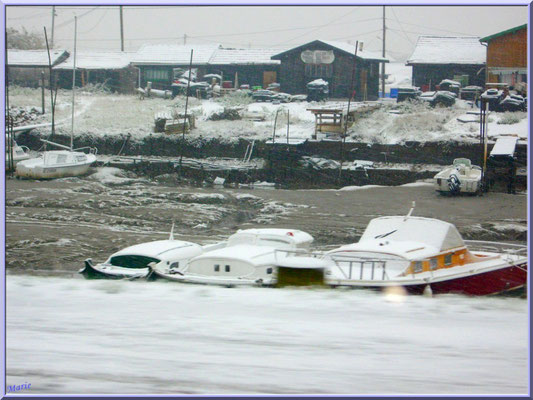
pixel 99 114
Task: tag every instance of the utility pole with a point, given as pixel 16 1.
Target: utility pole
pixel 53 22
pixel 184 39
pixel 121 30
pixel 383 54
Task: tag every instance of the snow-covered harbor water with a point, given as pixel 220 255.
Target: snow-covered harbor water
pixel 68 335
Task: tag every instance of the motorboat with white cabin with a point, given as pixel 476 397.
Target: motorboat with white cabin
pixel 249 257
pixel 461 177
pixel 132 262
pixel 425 255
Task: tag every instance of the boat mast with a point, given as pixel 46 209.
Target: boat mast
pixel 73 83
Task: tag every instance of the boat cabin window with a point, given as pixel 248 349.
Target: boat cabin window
pixel 269 271
pixel 61 158
pixel 217 267
pixel 433 264
pixel 175 265
pixel 418 266
pixel 227 268
pixel 448 259
pixel 81 158
pixel 132 261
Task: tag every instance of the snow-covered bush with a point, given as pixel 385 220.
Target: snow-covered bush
pixel 509 118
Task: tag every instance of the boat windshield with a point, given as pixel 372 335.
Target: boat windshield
pixel 132 261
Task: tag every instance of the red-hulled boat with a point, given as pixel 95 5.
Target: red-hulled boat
pixel 427 255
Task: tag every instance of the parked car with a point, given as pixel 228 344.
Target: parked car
pixel 263 95
pixel 440 97
pixel 282 97
pixel 408 93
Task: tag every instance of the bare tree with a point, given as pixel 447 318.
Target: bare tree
pixel 24 40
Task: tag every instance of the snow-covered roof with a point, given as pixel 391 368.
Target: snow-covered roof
pixel 34 58
pixel 168 54
pixel 159 249
pixel 504 146
pixel 350 48
pixel 243 57
pixel 448 50
pixel 343 46
pixel 98 60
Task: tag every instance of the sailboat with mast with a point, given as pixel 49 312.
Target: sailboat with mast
pixel 59 163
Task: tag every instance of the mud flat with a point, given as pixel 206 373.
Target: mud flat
pixel 52 226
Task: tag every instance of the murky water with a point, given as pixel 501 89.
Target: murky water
pixel 69 335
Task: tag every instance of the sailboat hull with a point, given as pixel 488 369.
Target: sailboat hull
pixel 37 168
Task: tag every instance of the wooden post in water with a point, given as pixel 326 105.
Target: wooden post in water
pixel 42 91
pixel 343 141
pixel 185 116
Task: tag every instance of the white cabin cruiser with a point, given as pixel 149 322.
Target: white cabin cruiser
pixel 461 177
pixel 56 164
pixel 426 255
pixel 132 262
pixel 249 257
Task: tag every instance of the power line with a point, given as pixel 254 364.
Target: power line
pixel 405 34
pixel 434 29
pixel 320 26
pixel 98 23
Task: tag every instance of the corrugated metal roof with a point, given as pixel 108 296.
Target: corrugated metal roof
pixel 33 58
pixel 502 33
pixel 98 60
pixel 448 50
pixel 165 54
pixel 244 57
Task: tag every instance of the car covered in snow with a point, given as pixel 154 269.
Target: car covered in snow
pixel 263 95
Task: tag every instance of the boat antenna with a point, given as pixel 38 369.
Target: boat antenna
pixel 171 236
pixel 410 211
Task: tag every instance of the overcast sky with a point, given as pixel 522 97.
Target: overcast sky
pixel 260 26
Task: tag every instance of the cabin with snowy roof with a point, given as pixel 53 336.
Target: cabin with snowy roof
pixel 332 62
pixel 435 58
pixel 109 68
pixel 161 63
pixel 507 56
pixel 28 67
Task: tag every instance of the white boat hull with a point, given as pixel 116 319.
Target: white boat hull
pixel 35 168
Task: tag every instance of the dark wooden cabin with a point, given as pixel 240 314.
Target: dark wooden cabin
pixel 332 62
pixel 436 58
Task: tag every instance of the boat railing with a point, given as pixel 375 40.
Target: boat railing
pixel 355 267
pixel 92 150
pixel 497 247
pixel 351 267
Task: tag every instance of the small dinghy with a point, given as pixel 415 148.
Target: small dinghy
pixel 249 257
pixel 461 177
